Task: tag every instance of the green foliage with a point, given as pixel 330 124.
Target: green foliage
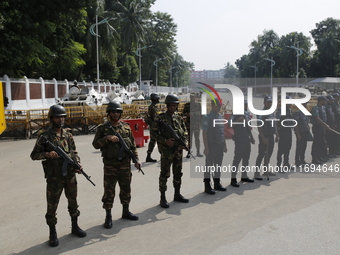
pixel 269 45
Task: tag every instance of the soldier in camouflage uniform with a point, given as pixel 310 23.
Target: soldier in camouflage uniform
pixel 117 166
pixel 152 112
pixel 52 165
pixel 192 116
pixel 171 150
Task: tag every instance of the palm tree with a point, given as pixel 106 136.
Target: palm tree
pixel 132 16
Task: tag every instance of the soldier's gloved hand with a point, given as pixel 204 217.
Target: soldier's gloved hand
pixel 112 138
pixel 252 140
pixel 78 170
pixel 170 142
pixel 138 165
pixel 186 146
pixel 51 154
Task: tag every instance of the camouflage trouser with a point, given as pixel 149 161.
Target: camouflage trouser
pixel 113 174
pixel 194 133
pixel 152 144
pixel 167 158
pixel 54 188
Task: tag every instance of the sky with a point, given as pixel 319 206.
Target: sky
pixel 211 33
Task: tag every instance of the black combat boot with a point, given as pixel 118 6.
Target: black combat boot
pixel 76 230
pixel 108 219
pixel 178 197
pixel 217 185
pixel 127 214
pixel 257 176
pixel 149 159
pixel 188 155
pixel 246 179
pixel 234 183
pixel 207 187
pixel 53 240
pixel 163 203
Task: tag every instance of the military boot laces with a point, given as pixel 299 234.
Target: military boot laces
pixel 53 239
pixel 127 214
pixel 108 220
pixel 76 230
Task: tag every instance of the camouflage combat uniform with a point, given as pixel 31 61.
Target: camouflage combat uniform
pixel 55 180
pixel 169 155
pixel 192 115
pixel 115 170
pixel 152 112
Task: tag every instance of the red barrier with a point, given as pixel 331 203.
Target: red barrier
pixel 137 127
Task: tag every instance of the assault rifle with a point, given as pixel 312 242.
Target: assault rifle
pixel 67 159
pixel 124 148
pixel 176 136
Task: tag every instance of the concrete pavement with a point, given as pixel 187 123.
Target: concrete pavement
pixel 291 213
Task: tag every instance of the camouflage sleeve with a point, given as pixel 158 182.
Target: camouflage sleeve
pixel 155 131
pixel 38 152
pixel 99 140
pixel 152 112
pixel 186 109
pixel 133 143
pixel 185 131
pixel 74 151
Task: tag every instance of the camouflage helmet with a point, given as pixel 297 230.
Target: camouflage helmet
pixel 114 106
pixel 154 96
pixel 56 110
pixel 171 99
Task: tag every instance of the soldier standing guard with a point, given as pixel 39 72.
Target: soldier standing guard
pixel 56 180
pixel 285 132
pixel 242 138
pixel 171 150
pixel 152 112
pixel 117 166
pixel 336 110
pixel 266 137
pixel 319 120
pixel 214 147
pixel 331 137
pixel 192 115
pixel 302 132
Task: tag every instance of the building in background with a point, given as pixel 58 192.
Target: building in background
pixel 208 74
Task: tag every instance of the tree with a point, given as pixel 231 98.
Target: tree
pixel 35 34
pixel 326 36
pixel 231 71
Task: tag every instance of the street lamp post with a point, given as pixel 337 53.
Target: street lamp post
pixel 271 70
pixel 96 34
pixel 170 71
pixel 255 70
pixel 156 64
pixel 138 53
pixel 298 54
